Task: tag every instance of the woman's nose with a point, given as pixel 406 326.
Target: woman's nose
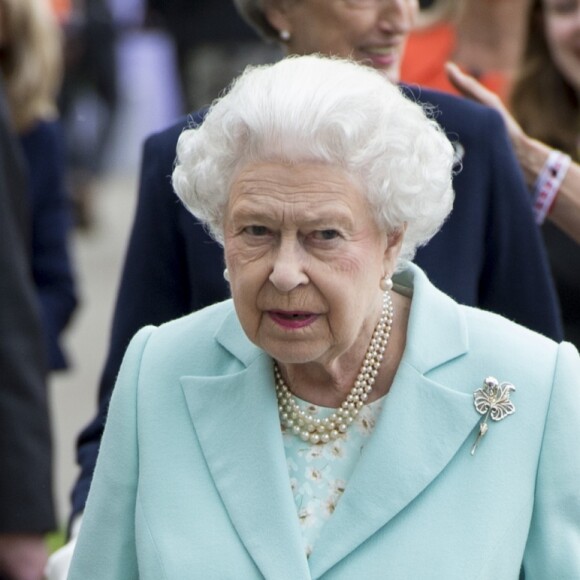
pixel 288 269
pixel 397 15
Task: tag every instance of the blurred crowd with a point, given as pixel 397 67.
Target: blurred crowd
pixel 60 102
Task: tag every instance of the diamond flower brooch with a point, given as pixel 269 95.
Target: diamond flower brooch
pixel 493 402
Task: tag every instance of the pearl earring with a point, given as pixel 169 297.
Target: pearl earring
pixel 284 35
pixel 386 283
pixel 226 275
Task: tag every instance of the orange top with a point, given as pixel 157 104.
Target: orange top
pixel 425 56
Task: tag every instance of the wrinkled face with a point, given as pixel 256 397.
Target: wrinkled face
pixel 305 259
pixel 370 31
pixel 562 26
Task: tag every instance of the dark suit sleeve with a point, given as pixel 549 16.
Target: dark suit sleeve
pixel 516 280
pixel 25 444
pixel 154 285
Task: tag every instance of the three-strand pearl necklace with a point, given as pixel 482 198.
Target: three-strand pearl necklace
pixel 315 430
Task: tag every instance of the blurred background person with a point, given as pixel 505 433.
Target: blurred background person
pixel 484 37
pixel 212 45
pixel 31 59
pixel 26 502
pixel 89 96
pixel 544 126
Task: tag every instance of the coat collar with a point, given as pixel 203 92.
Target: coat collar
pixel 235 416
pixel 422 426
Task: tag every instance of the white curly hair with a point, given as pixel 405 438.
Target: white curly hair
pixel 327 110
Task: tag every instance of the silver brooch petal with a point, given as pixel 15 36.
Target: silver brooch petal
pixel 492 401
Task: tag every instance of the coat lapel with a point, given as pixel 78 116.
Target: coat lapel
pixel 236 420
pixel 423 424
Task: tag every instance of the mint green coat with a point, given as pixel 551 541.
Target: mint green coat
pixel 191 480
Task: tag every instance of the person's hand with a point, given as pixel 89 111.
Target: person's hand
pixel 22 556
pixel 59 562
pixel 472 89
pixel 531 153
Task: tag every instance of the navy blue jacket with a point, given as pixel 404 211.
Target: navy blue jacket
pixel 488 253
pixel 52 270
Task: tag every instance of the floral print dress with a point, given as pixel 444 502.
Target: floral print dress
pixel 319 473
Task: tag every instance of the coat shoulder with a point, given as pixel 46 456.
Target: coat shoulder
pixel 506 344
pixel 485 325
pixel 200 342
pixel 456 114
pixel 202 324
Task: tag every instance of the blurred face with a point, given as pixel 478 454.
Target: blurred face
pixel 305 258
pixel 369 31
pixel 562 26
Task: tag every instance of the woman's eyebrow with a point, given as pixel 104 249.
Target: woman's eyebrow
pixel 330 217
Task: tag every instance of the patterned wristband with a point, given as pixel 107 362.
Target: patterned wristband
pixel 548 184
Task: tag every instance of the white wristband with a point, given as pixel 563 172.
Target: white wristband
pixel 548 184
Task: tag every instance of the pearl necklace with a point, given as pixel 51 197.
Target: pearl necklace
pixel 316 430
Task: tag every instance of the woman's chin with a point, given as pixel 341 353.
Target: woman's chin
pixel 294 354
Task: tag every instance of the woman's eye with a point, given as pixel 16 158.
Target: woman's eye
pixel 257 230
pixel 326 235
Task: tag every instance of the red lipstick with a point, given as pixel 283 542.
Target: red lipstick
pixel 292 319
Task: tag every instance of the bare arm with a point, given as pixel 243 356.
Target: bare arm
pixel 531 154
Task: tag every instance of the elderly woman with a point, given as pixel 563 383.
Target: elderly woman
pixel 481 257
pixel 338 417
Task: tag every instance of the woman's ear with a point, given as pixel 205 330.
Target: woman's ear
pixel 393 248
pixel 276 13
